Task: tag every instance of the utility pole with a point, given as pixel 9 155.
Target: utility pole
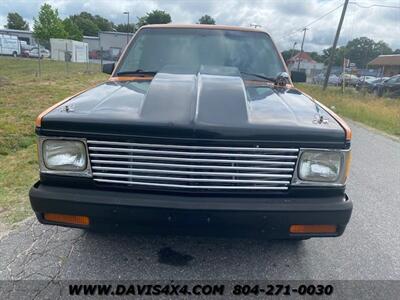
pixel 292 53
pixel 127 29
pixel 302 47
pixel 332 56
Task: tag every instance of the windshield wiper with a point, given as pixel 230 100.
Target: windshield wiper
pixel 137 72
pixel 259 76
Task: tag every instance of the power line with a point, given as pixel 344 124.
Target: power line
pixel 323 16
pixel 374 5
pixel 331 58
pixel 313 22
pixel 333 10
pixel 302 48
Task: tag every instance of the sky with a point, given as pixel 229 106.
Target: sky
pixel 283 19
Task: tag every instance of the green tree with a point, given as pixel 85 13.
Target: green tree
pixel 85 23
pixel 15 21
pixel 48 25
pixel 339 55
pixel 362 50
pixel 206 19
pixel 91 25
pixel 359 50
pixel 289 53
pixel 103 23
pixel 154 17
pixel 73 31
pixel 125 28
pixel 315 56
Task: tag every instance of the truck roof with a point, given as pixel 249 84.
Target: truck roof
pixel 205 26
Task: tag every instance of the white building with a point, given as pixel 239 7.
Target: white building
pixel 307 65
pixel 22 35
pixel 69 50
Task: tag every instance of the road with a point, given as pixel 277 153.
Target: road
pixel 369 249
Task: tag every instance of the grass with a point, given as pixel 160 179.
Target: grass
pixel 380 113
pixel 23 95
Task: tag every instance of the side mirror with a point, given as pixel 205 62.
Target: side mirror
pixel 282 79
pixel 298 76
pixel 108 68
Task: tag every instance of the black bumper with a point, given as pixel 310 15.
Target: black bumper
pixel 269 216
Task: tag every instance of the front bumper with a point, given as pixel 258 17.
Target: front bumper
pixel 268 216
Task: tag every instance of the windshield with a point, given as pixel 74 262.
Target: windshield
pixel 155 48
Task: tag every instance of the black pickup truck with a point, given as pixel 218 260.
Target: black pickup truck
pixel 198 126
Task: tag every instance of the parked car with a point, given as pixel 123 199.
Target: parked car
pixel 372 85
pixel 25 48
pixel 349 79
pixel 318 79
pixel 184 137
pixel 389 87
pixel 44 53
pixel 9 45
pixel 364 82
pixel 333 80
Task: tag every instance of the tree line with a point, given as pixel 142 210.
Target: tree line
pixel 48 24
pixel 360 51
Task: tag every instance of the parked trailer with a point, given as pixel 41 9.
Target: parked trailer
pixel 9 45
pixel 69 50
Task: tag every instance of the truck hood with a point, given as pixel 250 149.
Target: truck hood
pixel 215 103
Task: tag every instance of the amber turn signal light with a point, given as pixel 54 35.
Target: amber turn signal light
pixel 67 219
pixel 312 229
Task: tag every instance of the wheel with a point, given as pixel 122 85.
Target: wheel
pixel 376 93
pixel 14 54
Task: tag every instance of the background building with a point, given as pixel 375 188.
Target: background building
pixel 389 65
pixel 307 64
pixel 113 43
pixel 22 35
pixel 93 42
pixel 108 44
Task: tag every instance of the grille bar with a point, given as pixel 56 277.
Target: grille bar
pixel 192 167
pixel 187 153
pixel 189 179
pixel 193 147
pixel 213 174
pixel 196 160
pixel 191 186
pixel 184 167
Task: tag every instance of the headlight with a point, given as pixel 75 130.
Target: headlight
pixel 322 167
pixel 64 155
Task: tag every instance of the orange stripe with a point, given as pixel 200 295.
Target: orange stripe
pixel 342 123
pixel 129 78
pixel 338 119
pixel 39 118
pixel 203 26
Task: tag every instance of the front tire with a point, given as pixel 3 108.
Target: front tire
pixel 14 54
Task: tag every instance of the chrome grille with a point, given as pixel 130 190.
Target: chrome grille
pixel 192 167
